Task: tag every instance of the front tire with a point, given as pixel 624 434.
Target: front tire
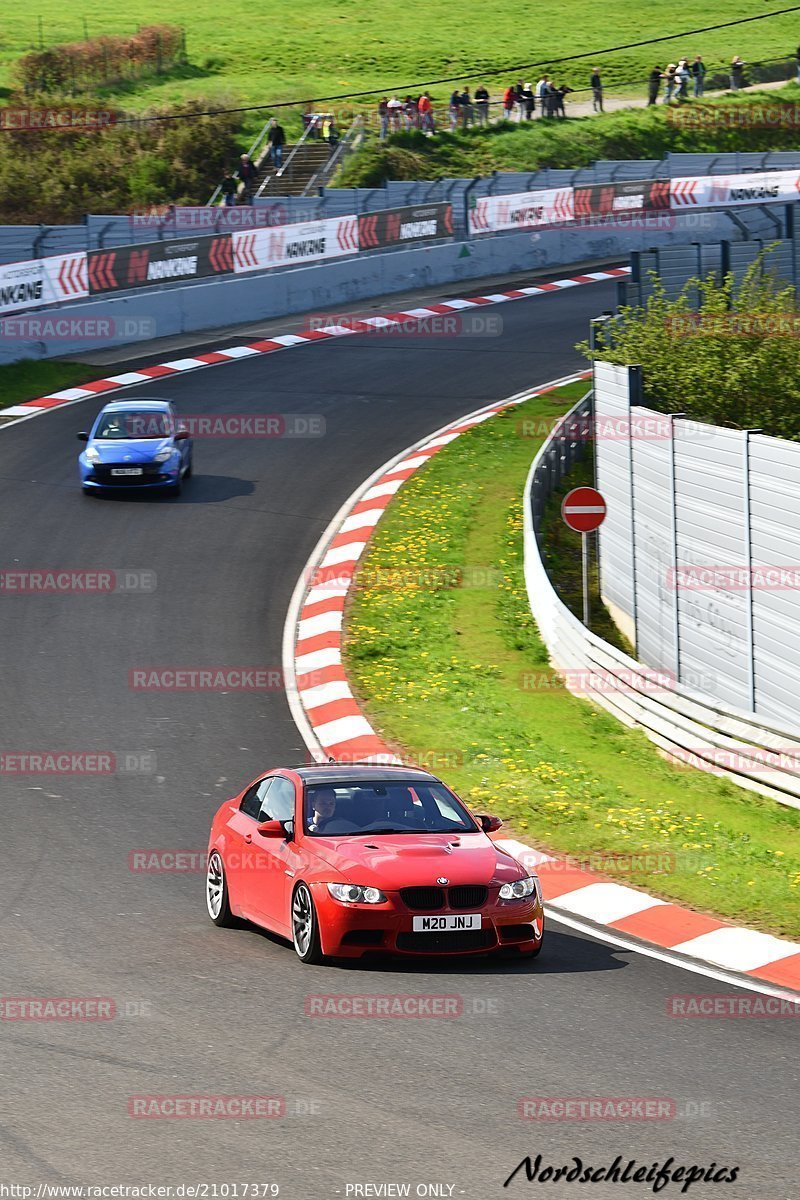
pixel 305 926
pixel 217 899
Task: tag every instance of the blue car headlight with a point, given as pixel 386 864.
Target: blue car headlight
pixel 92 455
pixel 164 455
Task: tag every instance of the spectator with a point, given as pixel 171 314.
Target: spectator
pixel 276 140
pixel 529 101
pixel 737 73
pixel 669 82
pixel 482 105
pixel 682 75
pixel 394 107
pixel 383 118
pixel 249 176
pixel 228 188
pixel 561 92
pixel 699 74
pixel 412 113
pixel 465 101
pixel 509 100
pixel 455 104
pixel 596 84
pixel 425 108
pixel 539 92
pixel 520 90
pixel 653 85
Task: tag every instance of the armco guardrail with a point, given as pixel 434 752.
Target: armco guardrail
pixel 685 724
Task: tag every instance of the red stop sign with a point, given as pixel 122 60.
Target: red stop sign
pixel 583 509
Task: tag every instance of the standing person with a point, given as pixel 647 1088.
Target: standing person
pixel 412 113
pixel 383 118
pixel 561 92
pixel 228 188
pixel 699 74
pixel 482 105
pixel 539 92
pixel 737 73
pixel 669 82
pixel 653 85
pixel 394 106
pixel 520 101
pixel 596 84
pixel 465 101
pixel 425 107
pixel 682 79
pixel 529 101
pixel 248 175
pixel 455 104
pixel 509 100
pixel 276 140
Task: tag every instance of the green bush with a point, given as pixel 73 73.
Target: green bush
pixel 723 353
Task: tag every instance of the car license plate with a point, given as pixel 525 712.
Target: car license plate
pixel 436 924
pixel 127 471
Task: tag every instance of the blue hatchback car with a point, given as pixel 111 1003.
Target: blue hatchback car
pixel 136 444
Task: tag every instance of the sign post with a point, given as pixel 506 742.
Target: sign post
pixel 584 510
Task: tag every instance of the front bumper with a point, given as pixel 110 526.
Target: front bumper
pixel 155 475
pixel 352 930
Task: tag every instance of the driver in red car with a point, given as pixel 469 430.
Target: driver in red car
pixel 323 809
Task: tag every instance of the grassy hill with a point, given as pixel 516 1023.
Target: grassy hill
pixel 261 54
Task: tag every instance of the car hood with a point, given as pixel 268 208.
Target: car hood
pixel 392 861
pixel 134 450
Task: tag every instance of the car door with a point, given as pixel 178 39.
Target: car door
pixel 240 855
pixel 275 858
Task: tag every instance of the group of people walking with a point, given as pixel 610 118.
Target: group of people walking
pixel 676 79
pixel 520 102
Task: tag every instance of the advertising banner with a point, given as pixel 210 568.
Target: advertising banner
pixel 41 281
pixel 149 263
pixel 629 196
pixel 405 226
pixel 521 210
pixel 724 191
pixel 292 245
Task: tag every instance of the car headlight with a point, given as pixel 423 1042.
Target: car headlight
pixel 164 455
pixel 519 889
pixel 351 893
pixel 91 454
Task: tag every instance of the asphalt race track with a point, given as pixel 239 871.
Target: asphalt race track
pixel 204 1011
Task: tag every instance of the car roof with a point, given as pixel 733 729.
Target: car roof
pixel 357 772
pixel 121 405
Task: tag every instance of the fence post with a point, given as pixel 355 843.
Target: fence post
pixel 676 617
pixel 634 398
pixel 748 554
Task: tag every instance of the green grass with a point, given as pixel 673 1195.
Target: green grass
pixel 458 677
pixel 577 142
pixel 28 380
pixel 292 51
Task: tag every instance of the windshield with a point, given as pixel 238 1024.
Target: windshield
pixel 117 426
pixel 383 806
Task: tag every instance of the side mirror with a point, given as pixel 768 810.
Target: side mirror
pixel 488 824
pixel 181 435
pixel 83 437
pixel 271 829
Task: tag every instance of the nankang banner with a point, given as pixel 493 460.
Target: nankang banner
pixel 293 245
pixel 41 281
pixel 629 197
pixel 405 226
pixel 724 191
pixel 521 210
pixel 171 261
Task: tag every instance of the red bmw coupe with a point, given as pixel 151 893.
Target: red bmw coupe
pixel 344 860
